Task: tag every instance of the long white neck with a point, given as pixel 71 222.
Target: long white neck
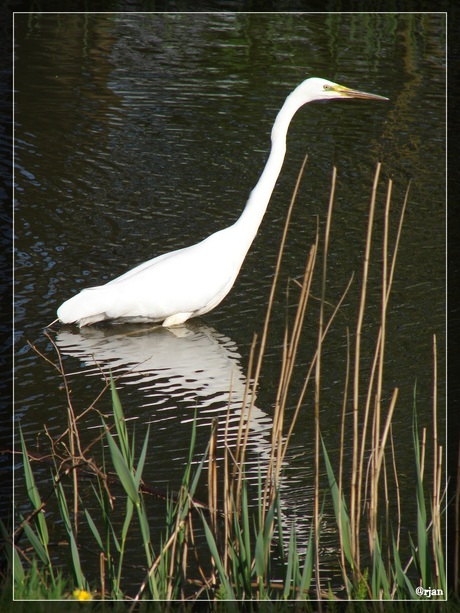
pixel 252 215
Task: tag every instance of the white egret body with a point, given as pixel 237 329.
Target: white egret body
pixel 189 282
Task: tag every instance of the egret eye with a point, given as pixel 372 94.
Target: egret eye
pixel 327 87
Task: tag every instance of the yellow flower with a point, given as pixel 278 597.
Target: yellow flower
pixel 82 595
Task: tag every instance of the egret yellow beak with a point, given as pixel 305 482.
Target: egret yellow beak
pixel 346 92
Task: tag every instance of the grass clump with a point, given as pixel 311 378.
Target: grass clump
pixel 245 553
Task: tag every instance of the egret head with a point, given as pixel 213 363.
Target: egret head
pixel 322 89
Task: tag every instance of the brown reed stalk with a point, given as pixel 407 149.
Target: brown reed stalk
pixel 436 515
pixel 263 340
pixel 435 423
pixel 374 498
pixel 437 474
pixel 74 444
pixel 102 559
pixel 311 367
pixel 227 494
pixel 387 280
pixel 212 489
pixel 386 493
pixel 280 444
pixel 317 495
pixel 212 476
pixel 397 490
pixel 244 429
pixel 355 494
pixel 340 476
pixel 376 369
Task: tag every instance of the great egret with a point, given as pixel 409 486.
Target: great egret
pixel 189 282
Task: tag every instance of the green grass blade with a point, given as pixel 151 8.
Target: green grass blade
pixel 197 475
pixel 340 509
pixel 442 581
pixel 145 527
pixel 128 518
pixel 269 520
pixel 79 577
pixel 229 593
pixel 292 554
pixel 423 554
pixel 187 471
pixel 120 424
pixel 12 556
pixel 140 465
pixel 380 583
pixel 123 470
pixel 260 555
pixel 401 577
pixel 279 516
pixel 33 494
pixel 36 544
pixel 94 530
pixel 32 491
pixel 246 534
pixel 307 573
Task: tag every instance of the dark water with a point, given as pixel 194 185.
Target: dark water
pixel 140 133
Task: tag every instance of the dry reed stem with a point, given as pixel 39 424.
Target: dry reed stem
pixel 398 494
pixel 436 515
pixel 204 579
pixel 381 353
pixel 311 366
pixel 91 407
pixel 386 430
pixel 435 427
pixel 74 438
pixel 397 240
pixel 355 480
pixel 437 464
pixel 102 560
pixel 376 464
pixel 278 449
pixel 247 392
pixel 243 434
pixel 387 282
pixel 290 348
pixel 263 340
pixel 212 489
pixel 340 477
pixel 228 511
pixel 235 480
pixel 377 460
pixel 316 501
pixel 212 476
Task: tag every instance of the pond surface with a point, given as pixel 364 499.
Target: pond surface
pixel 137 134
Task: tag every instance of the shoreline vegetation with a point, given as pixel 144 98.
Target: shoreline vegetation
pixel 244 552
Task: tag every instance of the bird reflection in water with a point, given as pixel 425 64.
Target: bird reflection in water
pixel 177 370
